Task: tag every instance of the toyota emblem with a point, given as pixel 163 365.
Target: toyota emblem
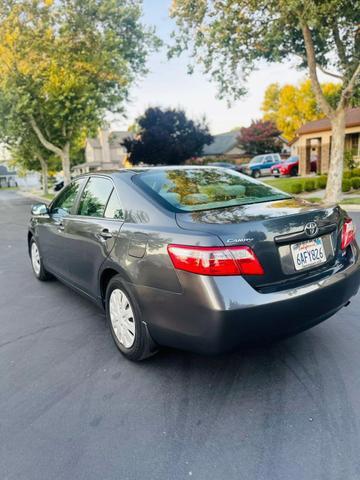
pixel 311 229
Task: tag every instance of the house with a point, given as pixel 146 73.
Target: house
pixel 313 141
pixel 224 146
pixel 7 177
pixel 285 145
pixel 105 152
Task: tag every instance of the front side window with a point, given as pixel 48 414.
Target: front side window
pixel 258 159
pixel 193 189
pixel 95 196
pixel 64 203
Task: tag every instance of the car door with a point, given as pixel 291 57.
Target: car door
pixel 93 232
pixel 267 163
pixel 52 233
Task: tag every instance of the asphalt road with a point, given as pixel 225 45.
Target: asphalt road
pixel 71 407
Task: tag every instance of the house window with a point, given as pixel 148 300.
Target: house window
pixel 352 143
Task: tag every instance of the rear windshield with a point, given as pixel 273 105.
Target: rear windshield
pixel 193 189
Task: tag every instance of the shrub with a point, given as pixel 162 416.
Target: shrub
pixel 346 185
pixel 349 160
pixel 356 172
pixel 296 187
pixel 347 174
pixel 309 185
pixel 355 183
pixel 321 182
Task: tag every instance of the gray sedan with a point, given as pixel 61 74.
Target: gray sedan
pixel 197 258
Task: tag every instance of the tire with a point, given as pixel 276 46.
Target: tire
pixel 256 173
pixel 130 336
pixel 37 263
pixel 294 172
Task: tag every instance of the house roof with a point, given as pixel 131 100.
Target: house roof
pixel 5 172
pixel 115 139
pixel 352 119
pixel 221 144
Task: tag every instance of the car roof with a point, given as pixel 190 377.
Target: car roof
pixel 137 170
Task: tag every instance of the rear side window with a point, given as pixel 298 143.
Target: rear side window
pixel 64 203
pixel 114 208
pixel 193 189
pixel 95 196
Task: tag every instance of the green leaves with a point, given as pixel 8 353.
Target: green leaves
pixel 228 39
pixel 65 63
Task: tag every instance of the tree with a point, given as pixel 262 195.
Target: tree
pixel 230 38
pixel 166 136
pixel 64 63
pixel 29 154
pixel 291 106
pixel 260 137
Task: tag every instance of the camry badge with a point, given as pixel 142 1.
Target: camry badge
pixel 311 229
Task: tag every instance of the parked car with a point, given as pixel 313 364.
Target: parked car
pixel 290 167
pixel 199 258
pixel 261 165
pixel 58 186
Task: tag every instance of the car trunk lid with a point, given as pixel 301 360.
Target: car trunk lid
pixel 270 228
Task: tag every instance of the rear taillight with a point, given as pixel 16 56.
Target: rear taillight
pixel 215 260
pixel 347 233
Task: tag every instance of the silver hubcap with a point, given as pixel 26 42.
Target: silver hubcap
pixel 122 318
pixel 35 258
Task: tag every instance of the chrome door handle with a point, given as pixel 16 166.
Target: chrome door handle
pixel 105 233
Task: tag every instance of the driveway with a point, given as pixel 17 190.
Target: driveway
pixel 71 407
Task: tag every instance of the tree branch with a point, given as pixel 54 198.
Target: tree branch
pixel 48 145
pixel 331 74
pixel 340 47
pixel 311 61
pixel 348 90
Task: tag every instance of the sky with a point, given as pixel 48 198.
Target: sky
pixel 168 84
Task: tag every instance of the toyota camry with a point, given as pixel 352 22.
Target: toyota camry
pixel 197 258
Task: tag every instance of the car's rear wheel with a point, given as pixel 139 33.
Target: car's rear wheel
pixel 294 172
pixel 37 262
pixel 125 322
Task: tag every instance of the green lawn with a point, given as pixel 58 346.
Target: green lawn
pixel 285 183
pixel 49 196
pixel 350 201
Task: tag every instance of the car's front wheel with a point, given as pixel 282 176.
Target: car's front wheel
pixel 37 262
pixel 256 173
pixel 127 328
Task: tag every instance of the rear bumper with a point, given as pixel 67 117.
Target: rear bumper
pixel 216 314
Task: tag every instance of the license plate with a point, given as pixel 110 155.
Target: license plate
pixel 307 254
pixel 276 170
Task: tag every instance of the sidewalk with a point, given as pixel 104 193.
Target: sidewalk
pixel 345 196
pixel 34 195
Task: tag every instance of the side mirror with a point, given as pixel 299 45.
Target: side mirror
pixel 39 209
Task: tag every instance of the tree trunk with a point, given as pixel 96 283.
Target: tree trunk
pixel 336 167
pixel 65 160
pixel 44 173
pixel 63 153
